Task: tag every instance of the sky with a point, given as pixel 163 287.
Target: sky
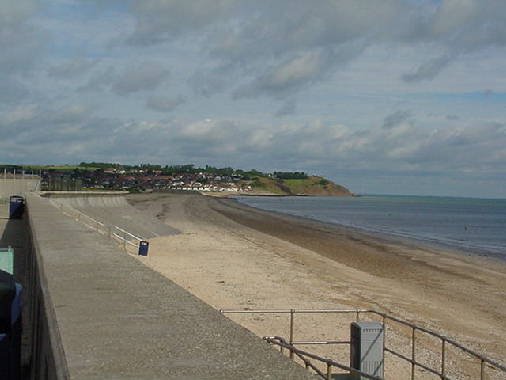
pixel 382 96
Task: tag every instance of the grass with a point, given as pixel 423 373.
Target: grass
pixel 298 186
pixel 267 184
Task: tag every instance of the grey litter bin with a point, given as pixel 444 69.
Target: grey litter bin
pixel 10 327
pixel 16 206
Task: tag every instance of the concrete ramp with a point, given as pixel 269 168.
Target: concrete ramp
pixel 90 201
pixel 112 208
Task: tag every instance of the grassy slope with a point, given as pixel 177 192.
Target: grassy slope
pixel 313 185
pixel 268 185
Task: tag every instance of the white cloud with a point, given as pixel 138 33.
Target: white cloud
pixel 289 36
pixel 164 104
pixel 142 77
pixel 72 68
pixel 20 47
pixel 385 86
pixel 160 20
pixel 14 13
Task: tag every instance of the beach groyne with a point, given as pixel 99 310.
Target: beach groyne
pixel 97 313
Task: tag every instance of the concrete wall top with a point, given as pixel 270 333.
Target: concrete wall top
pixel 11 186
pixel 118 319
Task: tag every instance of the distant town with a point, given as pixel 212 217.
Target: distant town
pixel 146 177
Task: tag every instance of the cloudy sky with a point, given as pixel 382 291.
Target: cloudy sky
pixel 383 96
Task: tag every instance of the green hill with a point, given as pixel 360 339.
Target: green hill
pixel 312 185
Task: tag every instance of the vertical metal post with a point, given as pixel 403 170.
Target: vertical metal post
pixel 329 371
pixel 384 337
pixel 358 316
pixel 412 353
pixel 482 371
pixel 292 312
pixel 443 355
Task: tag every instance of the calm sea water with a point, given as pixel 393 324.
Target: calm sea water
pixel 473 225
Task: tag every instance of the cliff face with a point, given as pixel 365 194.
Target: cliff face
pixel 312 185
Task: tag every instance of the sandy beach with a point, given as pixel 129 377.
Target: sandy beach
pixel 235 257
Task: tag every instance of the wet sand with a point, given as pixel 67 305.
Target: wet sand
pixel 233 256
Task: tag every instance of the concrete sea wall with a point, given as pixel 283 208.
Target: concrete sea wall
pixel 97 313
pixel 45 352
pixel 10 186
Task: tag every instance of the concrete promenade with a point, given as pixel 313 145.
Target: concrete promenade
pixel 111 317
pixel 18 186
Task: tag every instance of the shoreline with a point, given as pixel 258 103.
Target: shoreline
pixel 233 256
pixel 386 237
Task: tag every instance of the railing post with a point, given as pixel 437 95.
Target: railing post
pixel 292 312
pixel 482 370
pixel 412 353
pixel 384 337
pixel 329 371
pixel 443 354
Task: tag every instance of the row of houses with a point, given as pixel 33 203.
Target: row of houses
pixel 139 181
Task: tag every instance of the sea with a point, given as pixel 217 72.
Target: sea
pixel 474 226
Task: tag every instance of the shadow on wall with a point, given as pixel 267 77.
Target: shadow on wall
pixel 15 235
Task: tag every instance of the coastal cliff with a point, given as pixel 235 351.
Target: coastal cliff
pixel 312 185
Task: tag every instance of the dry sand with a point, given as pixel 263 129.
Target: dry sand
pixel 232 256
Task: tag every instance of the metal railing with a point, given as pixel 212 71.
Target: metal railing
pixel 445 342
pixel 123 237
pixel 304 355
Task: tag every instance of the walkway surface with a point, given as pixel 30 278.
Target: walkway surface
pixel 118 319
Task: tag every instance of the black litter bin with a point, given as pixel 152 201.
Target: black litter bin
pixel 16 207
pixel 143 248
pixel 10 327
